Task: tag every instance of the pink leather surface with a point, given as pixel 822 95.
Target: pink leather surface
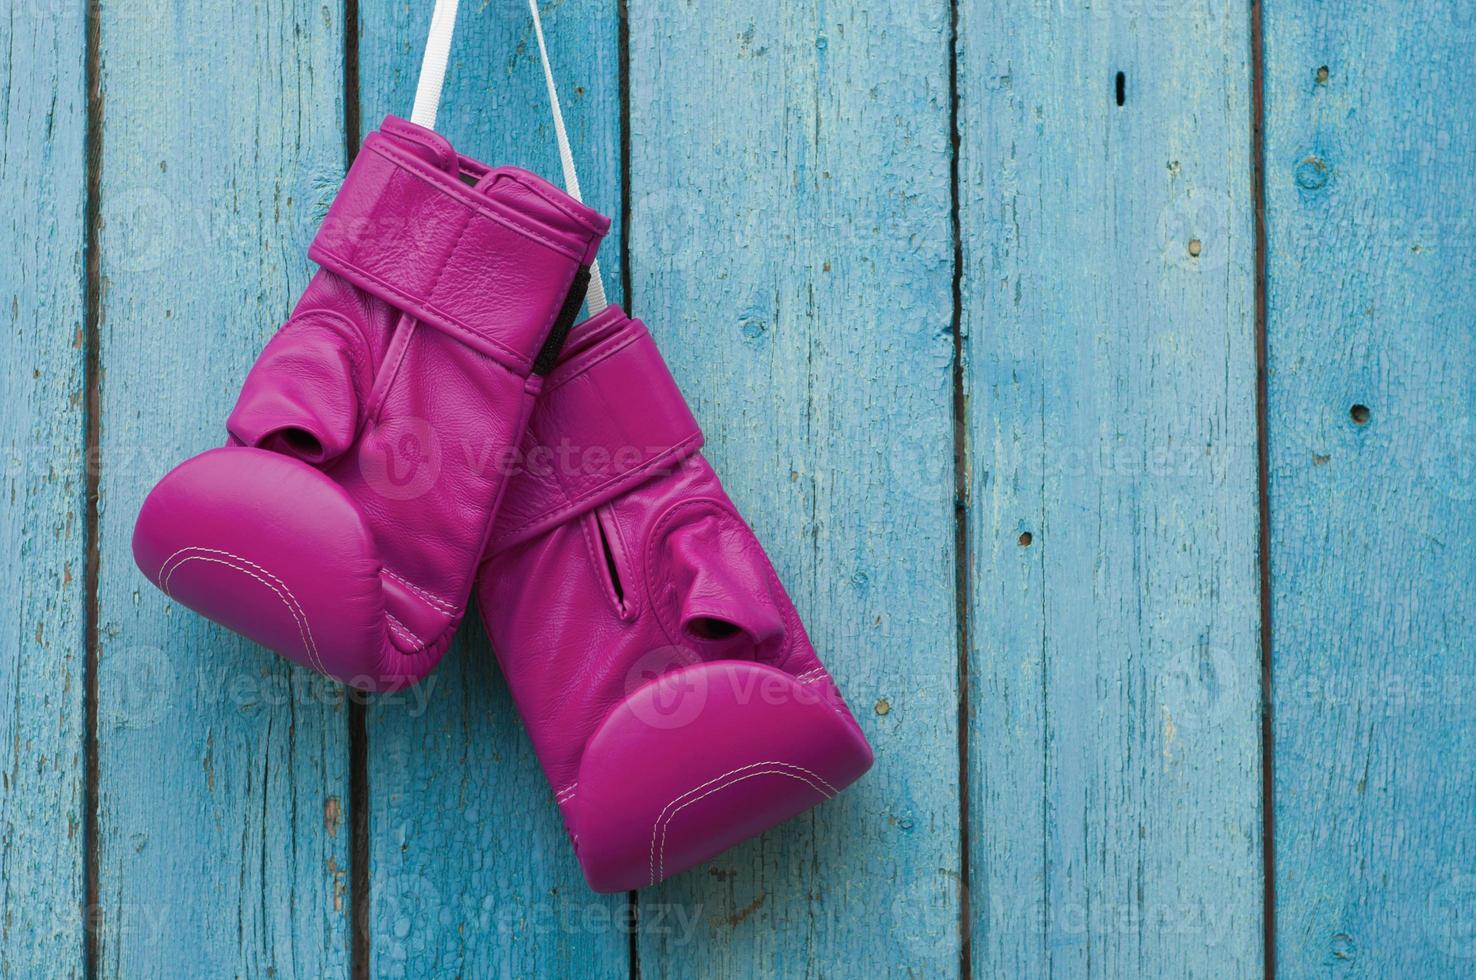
pixel 463 260
pixel 666 681
pixel 610 418
pixel 371 442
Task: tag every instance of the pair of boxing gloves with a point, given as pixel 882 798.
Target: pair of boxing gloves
pixel 430 421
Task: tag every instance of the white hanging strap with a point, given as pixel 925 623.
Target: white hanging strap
pixel 596 295
pixel 433 65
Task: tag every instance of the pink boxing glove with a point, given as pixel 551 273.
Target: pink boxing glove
pixel 663 674
pixel 343 521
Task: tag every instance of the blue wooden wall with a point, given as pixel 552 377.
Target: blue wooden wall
pixel 1101 377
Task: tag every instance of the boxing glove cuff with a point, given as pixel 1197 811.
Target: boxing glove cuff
pixel 610 418
pixel 439 239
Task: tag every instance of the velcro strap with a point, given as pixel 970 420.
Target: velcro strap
pixel 448 254
pixel 611 418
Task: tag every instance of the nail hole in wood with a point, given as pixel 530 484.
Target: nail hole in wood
pixel 1122 85
pixel 1025 538
pixel 1195 247
pixel 1359 414
pixel 1322 75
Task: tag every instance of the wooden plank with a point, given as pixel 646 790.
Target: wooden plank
pixel 471 872
pixel 1370 148
pixel 1114 739
pixel 223 800
pixel 790 251
pixel 43 533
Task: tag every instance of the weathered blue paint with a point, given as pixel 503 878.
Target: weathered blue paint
pixel 1372 299
pixel 43 531
pixel 790 251
pixel 792 248
pixel 471 873
pixel 1114 777
pixel 223 769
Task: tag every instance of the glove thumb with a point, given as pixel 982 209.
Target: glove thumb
pixel 724 588
pixel 302 396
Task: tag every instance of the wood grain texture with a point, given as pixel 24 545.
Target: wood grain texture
pixel 1370 208
pixel 790 251
pixel 223 797
pixel 1110 375
pixel 471 873
pixel 43 533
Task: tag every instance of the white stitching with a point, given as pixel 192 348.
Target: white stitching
pixel 299 616
pixel 401 634
pixel 661 865
pixel 566 794
pixel 404 633
pixel 813 674
pixel 753 765
pixel 438 603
